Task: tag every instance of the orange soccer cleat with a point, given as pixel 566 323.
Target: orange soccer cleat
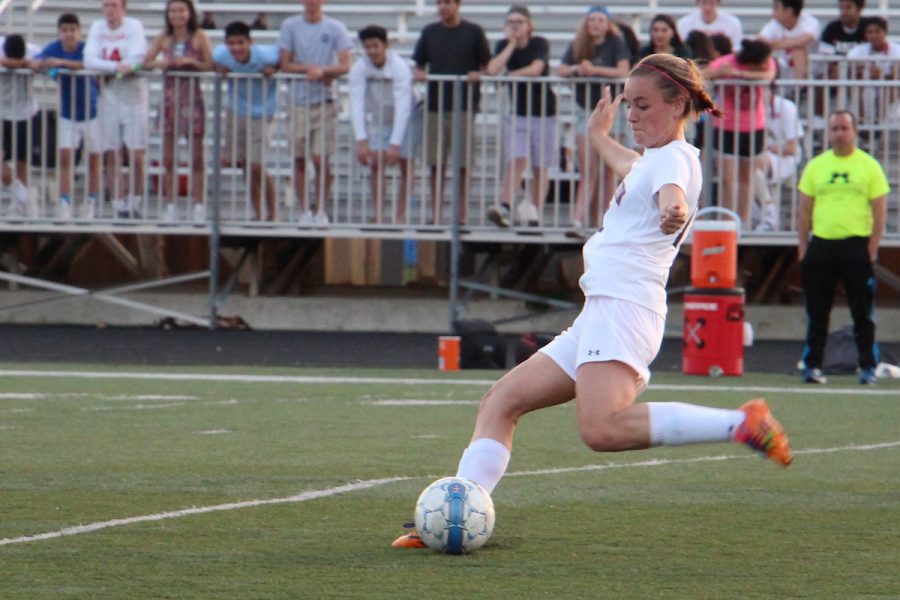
pixel 762 432
pixel 409 540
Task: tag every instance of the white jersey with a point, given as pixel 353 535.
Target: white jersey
pixel 385 93
pixel 630 257
pixel 725 24
pixel 889 58
pixel 774 31
pixel 106 48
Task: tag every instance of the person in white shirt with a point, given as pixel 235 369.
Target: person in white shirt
pixel 116 46
pixel 780 161
pixel 708 19
pixel 602 359
pixel 793 36
pixel 381 107
pixel 18 109
pixel 876 100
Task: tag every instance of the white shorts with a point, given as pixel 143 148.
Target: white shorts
pixel 71 133
pixel 122 123
pixel 610 329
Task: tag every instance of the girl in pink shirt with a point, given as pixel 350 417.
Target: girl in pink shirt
pixel 739 136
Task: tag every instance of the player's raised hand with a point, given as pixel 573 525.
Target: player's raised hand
pixel 602 117
pixel 672 218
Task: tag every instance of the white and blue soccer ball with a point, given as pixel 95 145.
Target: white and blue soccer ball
pixel 455 516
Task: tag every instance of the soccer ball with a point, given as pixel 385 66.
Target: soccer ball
pixel 454 515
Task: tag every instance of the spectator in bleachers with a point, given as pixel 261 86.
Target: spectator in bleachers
pixel 116 47
pixel 209 20
pixel 710 20
pixel 701 47
pixel 531 129
pixel 382 103
pixel 78 120
pixel 847 31
pixel 318 47
pixel 702 52
pixel 793 36
pixel 182 47
pixel 885 64
pixel 18 110
pixel 250 110
pixel 451 46
pixel 597 51
pixel 631 41
pixel 739 134
pixel 779 163
pixel 664 38
pixel 261 22
pixel 722 44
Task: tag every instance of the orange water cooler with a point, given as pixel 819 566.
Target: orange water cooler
pixel 714 252
pixel 713 307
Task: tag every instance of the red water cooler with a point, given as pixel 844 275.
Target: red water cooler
pixel 714 308
pixel 713 332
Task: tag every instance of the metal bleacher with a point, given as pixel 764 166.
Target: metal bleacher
pixel 555 20
pixel 404 20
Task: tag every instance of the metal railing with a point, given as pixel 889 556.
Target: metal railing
pixel 294 170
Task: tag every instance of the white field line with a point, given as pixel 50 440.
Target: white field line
pixel 231 402
pixel 200 510
pixel 160 397
pixel 370 483
pixel 416 402
pixel 21 396
pixel 812 390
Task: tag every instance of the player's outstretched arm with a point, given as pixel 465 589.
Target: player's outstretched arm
pixel 615 155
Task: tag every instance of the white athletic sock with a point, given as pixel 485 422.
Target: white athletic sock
pixel 484 462
pixel 677 423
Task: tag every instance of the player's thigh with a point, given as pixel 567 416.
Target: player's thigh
pixel 534 384
pixel 603 389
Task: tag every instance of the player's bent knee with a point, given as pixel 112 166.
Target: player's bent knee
pixel 600 438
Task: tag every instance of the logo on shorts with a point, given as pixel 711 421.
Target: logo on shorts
pixel 593 353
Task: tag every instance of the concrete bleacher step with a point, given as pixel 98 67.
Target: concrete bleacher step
pixel 555 20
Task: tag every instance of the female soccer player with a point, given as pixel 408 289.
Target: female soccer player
pixel 602 359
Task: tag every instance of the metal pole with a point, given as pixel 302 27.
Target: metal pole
pixel 213 202
pixel 706 163
pixel 456 142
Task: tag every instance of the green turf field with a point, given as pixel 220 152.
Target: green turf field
pixel 292 484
